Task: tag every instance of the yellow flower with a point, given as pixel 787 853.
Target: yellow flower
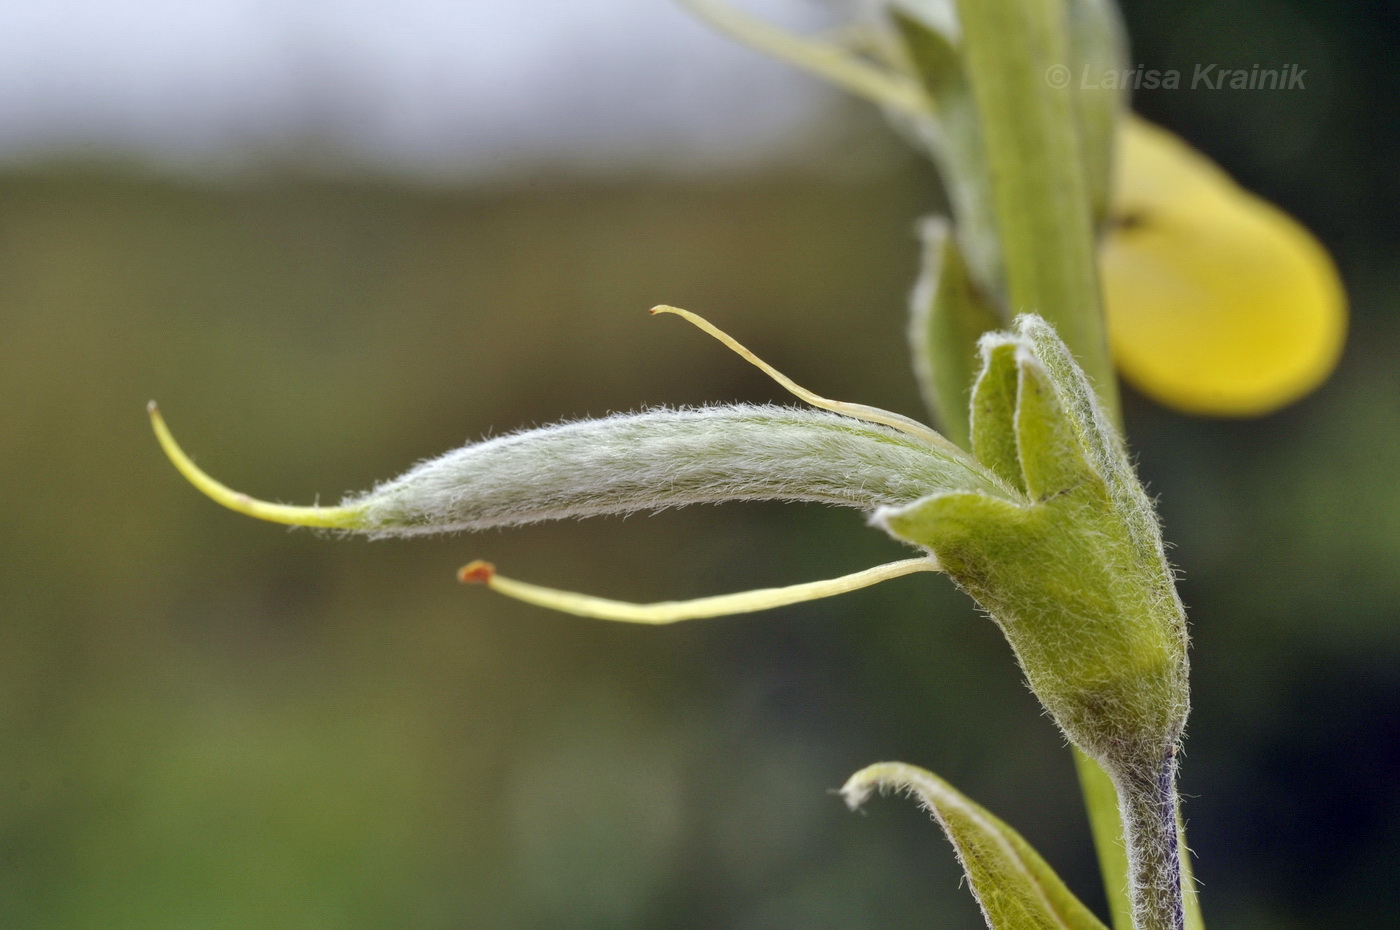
pixel 1218 302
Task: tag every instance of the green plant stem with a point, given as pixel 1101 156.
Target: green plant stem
pixel 1039 190
pixel 1148 800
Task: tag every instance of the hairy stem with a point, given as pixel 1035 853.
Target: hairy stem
pixel 1148 805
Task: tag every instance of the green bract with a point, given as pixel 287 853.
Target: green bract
pixel 1076 577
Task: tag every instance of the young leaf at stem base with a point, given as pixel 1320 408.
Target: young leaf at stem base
pixel 1015 887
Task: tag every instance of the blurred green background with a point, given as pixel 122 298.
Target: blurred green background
pixel 207 722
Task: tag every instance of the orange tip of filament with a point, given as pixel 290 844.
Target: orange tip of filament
pixel 477 572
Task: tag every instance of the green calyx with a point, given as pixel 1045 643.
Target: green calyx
pixel 1074 573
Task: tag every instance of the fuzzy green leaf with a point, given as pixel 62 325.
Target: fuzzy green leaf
pixel 1052 458
pixel 948 315
pixel 1015 887
pixel 994 411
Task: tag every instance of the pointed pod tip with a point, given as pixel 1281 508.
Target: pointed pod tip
pixel 477 572
pixel 345 518
pixel 855 411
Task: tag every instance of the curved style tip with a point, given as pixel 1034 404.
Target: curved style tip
pixel 664 612
pixel 862 412
pixel 345 518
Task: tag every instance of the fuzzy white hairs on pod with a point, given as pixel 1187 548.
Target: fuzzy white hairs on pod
pixel 659 459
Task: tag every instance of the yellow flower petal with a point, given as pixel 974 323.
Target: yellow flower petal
pixel 1218 302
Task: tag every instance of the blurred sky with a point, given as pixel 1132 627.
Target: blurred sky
pixel 420 86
